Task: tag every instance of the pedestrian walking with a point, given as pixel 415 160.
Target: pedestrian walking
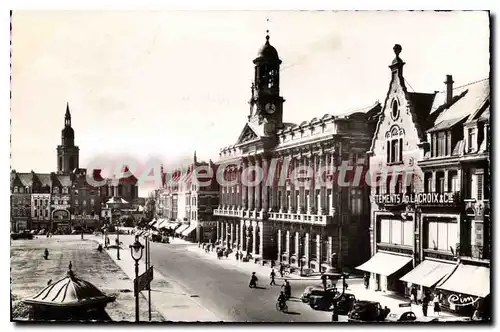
pixel 323 281
pixel 272 275
pixel 414 294
pixel 367 280
pixel 437 307
pixel 282 270
pixel 425 304
pixel 226 253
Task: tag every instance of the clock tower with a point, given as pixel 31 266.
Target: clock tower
pixel 266 104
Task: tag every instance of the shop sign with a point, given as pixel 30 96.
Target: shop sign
pixel 461 300
pixel 418 199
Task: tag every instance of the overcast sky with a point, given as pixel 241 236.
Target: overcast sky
pixel 158 83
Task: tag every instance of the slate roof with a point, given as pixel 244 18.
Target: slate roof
pixel 44 179
pixel 468 99
pixel 26 179
pixel 64 180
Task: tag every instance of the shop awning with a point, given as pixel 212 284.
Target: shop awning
pixel 468 279
pixel 188 230
pixel 174 225
pixel 180 229
pixel 161 223
pixel 428 273
pixel 384 264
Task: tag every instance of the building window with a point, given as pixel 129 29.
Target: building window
pixel 395 110
pixel 92 202
pixel 471 137
pixel 395 150
pixel 16 189
pixel 440 182
pixel 399 184
pixel 428 182
pixel 396 231
pixel 479 186
pixel 453 181
pixel 441 144
pixel 356 202
pixel 76 202
pixel 56 190
pixel 409 183
pixel 35 213
pixel 441 234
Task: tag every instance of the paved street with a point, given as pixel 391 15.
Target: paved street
pixel 224 289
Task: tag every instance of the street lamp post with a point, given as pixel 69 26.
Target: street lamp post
pixel 136 250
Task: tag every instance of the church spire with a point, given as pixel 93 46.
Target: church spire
pixel 67 116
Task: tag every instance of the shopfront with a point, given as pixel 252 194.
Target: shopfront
pixel 386 269
pixel 466 289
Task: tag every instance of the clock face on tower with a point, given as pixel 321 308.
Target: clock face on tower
pixel 270 108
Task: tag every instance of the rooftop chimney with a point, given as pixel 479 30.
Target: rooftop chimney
pixel 449 88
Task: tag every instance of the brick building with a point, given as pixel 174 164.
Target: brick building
pixel 313 225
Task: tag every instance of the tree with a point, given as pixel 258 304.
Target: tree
pixel 150 208
pixel 127 221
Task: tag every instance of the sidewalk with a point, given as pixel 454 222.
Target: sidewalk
pixel 167 297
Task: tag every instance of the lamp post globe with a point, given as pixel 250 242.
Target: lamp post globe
pixel 136 250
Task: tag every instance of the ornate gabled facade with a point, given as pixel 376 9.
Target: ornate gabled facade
pixel 430 196
pixel 66 199
pixel 312 224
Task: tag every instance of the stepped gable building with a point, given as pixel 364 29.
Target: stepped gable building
pixel 430 203
pixel 312 225
pixel 63 200
pixel 186 200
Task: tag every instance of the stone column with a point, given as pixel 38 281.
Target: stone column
pixel 329 253
pixel 237 235
pixel 251 190
pixel 279 244
pixel 258 188
pixel 244 189
pixel 218 230
pixel 232 238
pixel 335 187
pixel 312 186
pixel 254 237
pixel 292 207
pixel 296 245
pixel 287 245
pixel 322 202
pixel 318 251
pixel 265 188
pixel 306 249
pixel 302 198
pixel 242 234
pixel 261 238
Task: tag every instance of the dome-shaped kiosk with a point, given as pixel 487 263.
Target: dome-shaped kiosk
pixel 70 298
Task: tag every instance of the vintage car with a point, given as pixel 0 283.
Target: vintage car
pixel 307 293
pixel 325 300
pixel 407 316
pixel 367 311
pixel 21 236
pixel 156 237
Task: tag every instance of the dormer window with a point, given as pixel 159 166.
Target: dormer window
pixel 471 136
pixel 56 190
pixel 16 189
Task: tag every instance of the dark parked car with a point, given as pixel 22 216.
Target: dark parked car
pixel 367 311
pixel 324 300
pixel 21 236
pixel 155 237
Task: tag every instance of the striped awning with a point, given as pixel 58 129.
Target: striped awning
pixel 468 279
pixel 188 230
pixel 428 273
pixel 181 229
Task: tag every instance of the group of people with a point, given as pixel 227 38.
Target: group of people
pixel 285 293
pixel 426 299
